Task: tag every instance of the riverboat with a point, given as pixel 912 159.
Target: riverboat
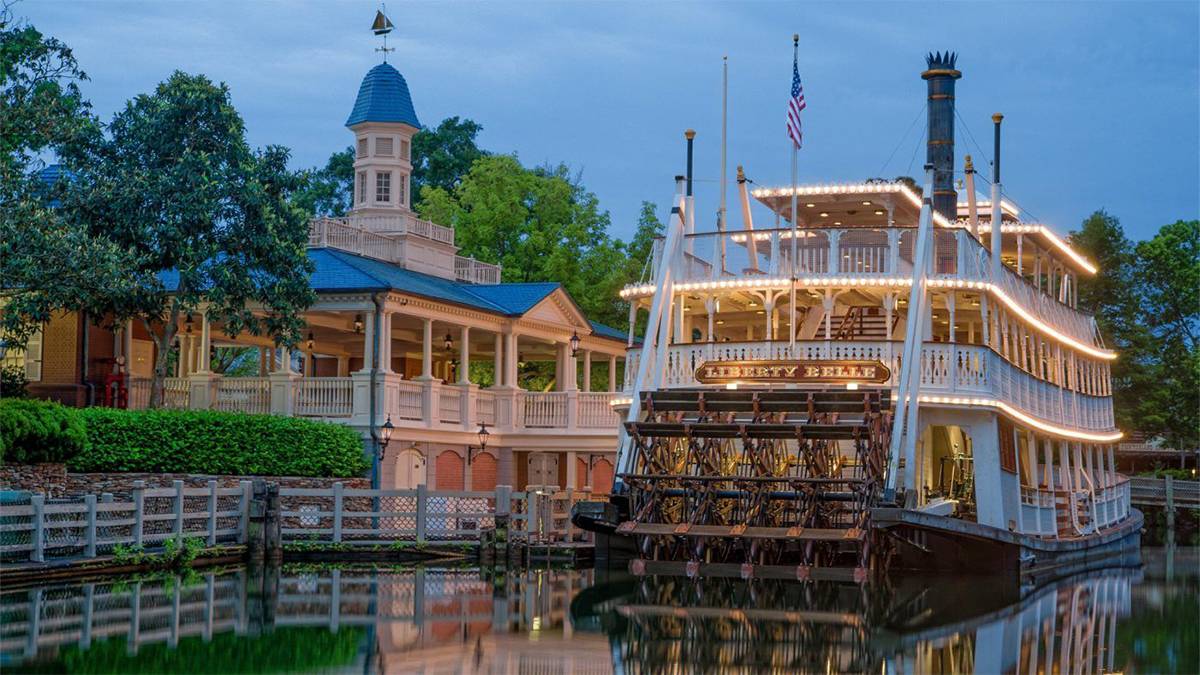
pixel 884 377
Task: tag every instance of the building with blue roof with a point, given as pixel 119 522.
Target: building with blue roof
pixel 404 332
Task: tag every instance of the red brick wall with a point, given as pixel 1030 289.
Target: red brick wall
pixel 483 472
pixel 580 472
pixel 602 476
pixel 449 471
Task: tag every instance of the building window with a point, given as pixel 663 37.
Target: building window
pixel 383 146
pixel 402 190
pixel 383 187
pixel 28 359
pixel 404 149
pixel 362 147
pixel 362 187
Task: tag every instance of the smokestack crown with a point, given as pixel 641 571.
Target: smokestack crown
pixel 941 63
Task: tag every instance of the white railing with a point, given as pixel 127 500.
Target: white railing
pixel 595 410
pixel 176 393
pixel 864 253
pixel 546 410
pixel 946 370
pixel 485 407
pixel 474 271
pixel 398 223
pixel 138 393
pixel 337 233
pixel 95 524
pixel 450 404
pixel 1077 512
pixel 408 400
pixel 347 516
pixel 243 394
pixel 324 397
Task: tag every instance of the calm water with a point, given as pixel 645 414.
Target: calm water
pixel 361 620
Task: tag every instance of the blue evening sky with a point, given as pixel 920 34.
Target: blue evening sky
pixel 1100 99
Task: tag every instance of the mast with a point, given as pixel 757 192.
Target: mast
pixel 997 217
pixel 721 213
pixel 795 150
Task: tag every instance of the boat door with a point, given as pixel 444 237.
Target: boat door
pixel 410 469
pixel 543 468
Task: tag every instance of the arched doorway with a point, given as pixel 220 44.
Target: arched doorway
pixel 483 472
pixel 410 468
pixel 947 466
pixel 602 476
pixel 450 470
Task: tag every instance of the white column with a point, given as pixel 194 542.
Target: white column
pixel 464 356
pixel 632 322
pixel 426 349
pixel 510 360
pixel 368 342
pixel 769 313
pixel 498 360
pixel 889 307
pixel 572 470
pixel 385 342
pixel 202 360
pixel 950 302
pixel 612 378
pixel 587 370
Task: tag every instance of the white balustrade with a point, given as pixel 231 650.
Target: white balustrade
pixel 546 409
pixel 450 404
pixel 595 410
pixel 485 407
pixel 243 394
pixel 176 392
pixel 947 369
pixel 408 400
pixel 324 397
pixel 474 271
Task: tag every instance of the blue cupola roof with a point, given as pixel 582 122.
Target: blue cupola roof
pixel 383 97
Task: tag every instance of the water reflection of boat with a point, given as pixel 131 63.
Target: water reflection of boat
pixel 672 624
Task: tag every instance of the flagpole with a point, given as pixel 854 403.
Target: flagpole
pixel 792 323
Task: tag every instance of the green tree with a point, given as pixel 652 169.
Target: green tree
pixel 46 262
pixel 443 155
pixel 1112 296
pixel 1168 280
pixel 208 218
pixel 327 191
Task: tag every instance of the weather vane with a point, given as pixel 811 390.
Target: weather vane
pixel 382 26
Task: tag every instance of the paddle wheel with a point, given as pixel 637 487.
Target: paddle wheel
pixel 757 483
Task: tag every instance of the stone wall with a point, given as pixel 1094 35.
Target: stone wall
pixel 53 480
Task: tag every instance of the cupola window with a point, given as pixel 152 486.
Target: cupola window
pixel 383 187
pixel 404 149
pixel 362 187
pixel 362 147
pixel 383 147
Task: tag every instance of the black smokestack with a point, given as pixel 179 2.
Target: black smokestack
pixel 940 76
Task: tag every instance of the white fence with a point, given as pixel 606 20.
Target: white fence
pixel 341 515
pixel 94 525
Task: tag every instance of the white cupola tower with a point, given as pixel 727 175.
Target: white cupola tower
pixel 383 121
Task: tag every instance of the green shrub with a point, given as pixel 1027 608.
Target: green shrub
pixel 33 431
pixel 12 382
pixel 202 441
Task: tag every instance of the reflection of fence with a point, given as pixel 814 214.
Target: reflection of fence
pixel 430 608
pixel 91 525
pixel 341 515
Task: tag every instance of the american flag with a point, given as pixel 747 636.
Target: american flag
pixel 795 105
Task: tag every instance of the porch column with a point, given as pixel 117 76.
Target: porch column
pixel 828 304
pixel 889 306
pixel 385 342
pixel 572 471
pixel 769 313
pixel 587 370
pixel 368 343
pixel 426 349
pixel 510 360
pixel 262 362
pixel 464 356
pixel 205 345
pixel 950 302
pixel 710 305
pixel 343 365
pixel 632 321
pixel 498 361
pixel 612 375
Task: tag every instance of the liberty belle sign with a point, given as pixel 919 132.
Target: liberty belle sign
pixel 792 372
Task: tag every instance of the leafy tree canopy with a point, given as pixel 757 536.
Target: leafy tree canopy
pixel 209 219
pixel 327 191
pixel 47 263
